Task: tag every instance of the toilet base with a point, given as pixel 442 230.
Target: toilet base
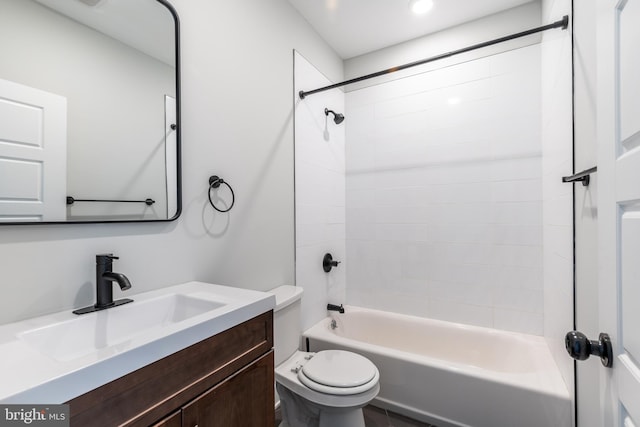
pixel 299 412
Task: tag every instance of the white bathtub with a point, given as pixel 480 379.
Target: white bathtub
pixel 450 374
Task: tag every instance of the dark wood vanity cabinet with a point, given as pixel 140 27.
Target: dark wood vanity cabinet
pixel 239 401
pixel 226 380
pixel 173 420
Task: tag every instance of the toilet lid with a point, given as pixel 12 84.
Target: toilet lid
pixel 338 368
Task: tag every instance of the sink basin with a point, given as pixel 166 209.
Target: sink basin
pixel 114 327
pixel 57 357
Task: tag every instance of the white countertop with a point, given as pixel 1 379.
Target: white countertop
pixel 30 376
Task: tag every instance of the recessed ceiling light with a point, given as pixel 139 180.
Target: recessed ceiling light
pixel 420 7
pixel 332 4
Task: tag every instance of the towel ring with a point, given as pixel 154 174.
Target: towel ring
pixel 214 182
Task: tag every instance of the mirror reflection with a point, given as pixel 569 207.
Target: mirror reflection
pixel 88 111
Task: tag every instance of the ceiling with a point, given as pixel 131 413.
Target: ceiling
pixel 355 27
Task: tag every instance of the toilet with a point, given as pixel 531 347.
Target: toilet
pixel 317 389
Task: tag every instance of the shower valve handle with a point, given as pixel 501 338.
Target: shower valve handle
pixel 328 263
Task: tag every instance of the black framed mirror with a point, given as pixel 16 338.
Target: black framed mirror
pixel 89 111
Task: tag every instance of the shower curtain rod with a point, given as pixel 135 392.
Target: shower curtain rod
pixel 563 23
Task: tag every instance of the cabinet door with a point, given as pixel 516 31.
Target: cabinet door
pixel 174 420
pixel 243 400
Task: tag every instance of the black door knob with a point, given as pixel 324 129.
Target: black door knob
pixel 580 347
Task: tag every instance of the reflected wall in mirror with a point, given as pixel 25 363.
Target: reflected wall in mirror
pixel 89 110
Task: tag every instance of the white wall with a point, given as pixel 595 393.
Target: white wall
pixel 320 193
pixel 557 214
pixel 444 194
pixel 237 116
pixel 115 98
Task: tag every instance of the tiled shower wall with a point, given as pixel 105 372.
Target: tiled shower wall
pixel 444 193
pixel 557 215
pixel 320 193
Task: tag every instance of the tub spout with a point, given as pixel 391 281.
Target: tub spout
pixel 333 307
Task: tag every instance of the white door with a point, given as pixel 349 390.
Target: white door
pixel 33 155
pixel 618 38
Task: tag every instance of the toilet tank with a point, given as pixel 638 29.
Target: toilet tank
pixel 287 324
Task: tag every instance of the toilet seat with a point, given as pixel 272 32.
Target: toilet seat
pixel 338 372
pixel 286 374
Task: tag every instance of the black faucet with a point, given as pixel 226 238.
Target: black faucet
pixel 333 307
pixel 104 286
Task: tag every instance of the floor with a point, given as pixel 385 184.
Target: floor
pixel 376 417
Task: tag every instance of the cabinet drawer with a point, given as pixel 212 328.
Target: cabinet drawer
pixel 145 396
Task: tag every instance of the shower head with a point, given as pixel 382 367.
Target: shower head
pixel 337 117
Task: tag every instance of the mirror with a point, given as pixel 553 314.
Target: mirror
pixel 89 111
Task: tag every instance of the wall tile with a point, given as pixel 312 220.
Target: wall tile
pixel 320 196
pixel 525 213
pixel 444 199
pixel 460 313
pixel 517 191
pixel 526 300
pixel 557 129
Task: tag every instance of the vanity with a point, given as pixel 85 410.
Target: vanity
pixel 194 354
pixel 225 380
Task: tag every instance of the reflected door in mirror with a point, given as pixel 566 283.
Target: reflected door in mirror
pixel 115 63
